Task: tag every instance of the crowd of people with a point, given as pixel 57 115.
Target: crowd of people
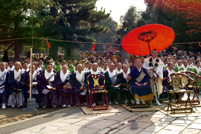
pixel 63 83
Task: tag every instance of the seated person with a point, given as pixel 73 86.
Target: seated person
pixel 77 81
pixel 3 84
pixel 140 86
pixel 63 86
pixel 35 92
pixel 110 79
pixel 123 79
pixel 16 80
pixel 95 71
pixel 48 86
pixel 166 73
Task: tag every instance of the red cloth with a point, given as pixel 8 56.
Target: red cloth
pixel 93 47
pixel 48 44
pixel 199 44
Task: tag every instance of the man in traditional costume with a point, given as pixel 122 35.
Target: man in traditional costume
pixel 123 79
pixel 36 93
pixel 63 86
pixel 3 84
pixel 77 81
pixel 16 81
pixel 118 68
pixel 11 67
pixel 166 74
pixel 140 85
pixel 154 67
pixel 48 86
pixel 114 90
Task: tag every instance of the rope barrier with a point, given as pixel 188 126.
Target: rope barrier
pixel 4 40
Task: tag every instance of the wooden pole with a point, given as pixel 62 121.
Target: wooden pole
pixel 31 74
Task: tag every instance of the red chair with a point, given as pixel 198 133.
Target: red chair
pixel 97 89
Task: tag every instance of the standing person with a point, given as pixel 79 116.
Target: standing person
pixel 16 80
pixel 154 67
pixel 77 81
pixel 48 86
pixel 3 84
pixel 63 86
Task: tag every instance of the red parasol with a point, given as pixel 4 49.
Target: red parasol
pixel 142 40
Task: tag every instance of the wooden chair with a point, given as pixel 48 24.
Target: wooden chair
pixel 195 86
pixel 97 89
pixel 178 84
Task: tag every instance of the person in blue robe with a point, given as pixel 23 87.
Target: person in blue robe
pixel 140 86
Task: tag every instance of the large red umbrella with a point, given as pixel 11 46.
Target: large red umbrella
pixel 142 40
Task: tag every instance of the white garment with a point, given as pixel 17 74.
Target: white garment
pixel 197 69
pixel 80 76
pixel 104 70
pixel 118 71
pixel 111 74
pixel 47 75
pixel 139 69
pixel 92 72
pixel 170 72
pixel 11 68
pixel 16 74
pixel 126 75
pixel 25 70
pixel 186 68
pixel 63 76
pixel 1 73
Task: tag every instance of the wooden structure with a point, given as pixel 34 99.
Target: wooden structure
pixel 179 84
pixel 97 88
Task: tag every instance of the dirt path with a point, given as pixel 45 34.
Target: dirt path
pixel 11 115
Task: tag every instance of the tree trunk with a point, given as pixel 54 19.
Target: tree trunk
pixel 17 50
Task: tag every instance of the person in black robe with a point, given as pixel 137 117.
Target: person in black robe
pixel 36 93
pixel 64 88
pixel 114 90
pixel 16 82
pixel 123 79
pixel 79 85
pixel 3 84
pixel 48 79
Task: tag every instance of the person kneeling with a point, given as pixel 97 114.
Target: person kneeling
pixel 140 86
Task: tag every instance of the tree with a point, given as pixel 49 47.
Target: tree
pixel 109 36
pixel 131 17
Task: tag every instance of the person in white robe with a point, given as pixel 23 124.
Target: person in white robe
pixel 154 67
